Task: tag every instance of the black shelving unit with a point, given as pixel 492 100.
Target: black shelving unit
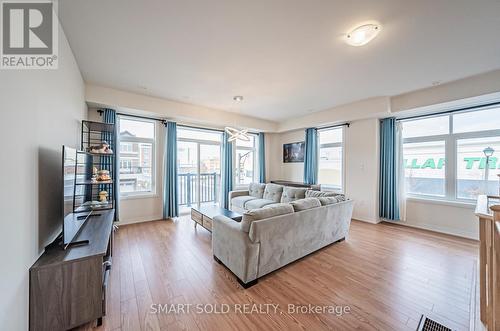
pixel 86 190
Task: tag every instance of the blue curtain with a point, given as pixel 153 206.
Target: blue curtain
pixel 227 170
pixel 311 157
pixel 388 204
pixel 262 158
pixel 109 116
pixel 170 204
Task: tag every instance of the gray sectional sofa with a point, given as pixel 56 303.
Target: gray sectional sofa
pixel 279 225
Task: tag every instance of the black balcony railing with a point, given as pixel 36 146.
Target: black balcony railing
pixel 187 184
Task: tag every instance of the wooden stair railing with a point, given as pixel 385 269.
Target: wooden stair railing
pixel 489 262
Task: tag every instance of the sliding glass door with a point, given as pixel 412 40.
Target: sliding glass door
pixel 199 159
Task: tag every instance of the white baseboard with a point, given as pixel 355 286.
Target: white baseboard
pixel 362 219
pixel 140 219
pixel 439 229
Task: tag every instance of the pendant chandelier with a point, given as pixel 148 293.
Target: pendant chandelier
pixel 235 134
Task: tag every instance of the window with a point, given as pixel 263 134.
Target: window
pixel 471 167
pixel 443 155
pixel 424 168
pixel 488 119
pixel 330 167
pixel 426 127
pixel 245 161
pixel 199 158
pixel 126 147
pixel 137 156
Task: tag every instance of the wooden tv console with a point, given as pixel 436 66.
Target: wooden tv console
pixel 68 287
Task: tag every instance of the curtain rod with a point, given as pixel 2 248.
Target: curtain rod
pixel 334 126
pixel 138 116
pixel 449 111
pixel 199 128
pixel 210 129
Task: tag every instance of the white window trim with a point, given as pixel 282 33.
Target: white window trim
pixel 451 165
pixel 148 194
pixel 341 144
pixel 255 162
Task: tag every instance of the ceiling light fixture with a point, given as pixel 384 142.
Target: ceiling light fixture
pixel 237 134
pixel 238 98
pixel 363 34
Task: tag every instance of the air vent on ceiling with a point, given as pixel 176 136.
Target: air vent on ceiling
pixel 426 324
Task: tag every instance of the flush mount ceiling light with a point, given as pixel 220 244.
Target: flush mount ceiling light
pixel 238 98
pixel 363 34
pixel 237 134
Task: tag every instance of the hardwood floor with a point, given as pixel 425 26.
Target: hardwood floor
pixel 388 275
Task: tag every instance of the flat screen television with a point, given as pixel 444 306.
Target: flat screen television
pixel 73 222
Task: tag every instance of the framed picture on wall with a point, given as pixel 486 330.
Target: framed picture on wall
pixel 293 152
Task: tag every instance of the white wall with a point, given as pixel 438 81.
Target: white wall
pixel 471 87
pixel 369 108
pixel 456 219
pixel 362 168
pixel 273 158
pixel 286 171
pixel 40 111
pixel 178 111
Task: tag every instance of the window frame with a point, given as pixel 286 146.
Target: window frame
pixel 153 141
pixel 198 143
pixel 255 162
pixel 451 151
pixel 329 145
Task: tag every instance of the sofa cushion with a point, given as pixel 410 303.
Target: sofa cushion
pixel 257 203
pixel 340 197
pixel 240 201
pixel 263 213
pixel 304 204
pixel 317 194
pixel 276 204
pixel 256 190
pixel 292 193
pixel 273 192
pixel 331 200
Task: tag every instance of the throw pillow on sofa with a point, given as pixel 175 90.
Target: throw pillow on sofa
pixel 304 204
pixel 317 194
pixel 263 213
pixel 256 190
pixel 340 197
pixel 273 192
pixel 292 193
pixel 331 200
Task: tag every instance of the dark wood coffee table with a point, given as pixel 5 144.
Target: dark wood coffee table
pixel 204 215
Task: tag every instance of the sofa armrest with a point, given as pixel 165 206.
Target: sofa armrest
pixel 234 249
pixel 234 194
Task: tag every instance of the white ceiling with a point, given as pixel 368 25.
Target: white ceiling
pixel 286 57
